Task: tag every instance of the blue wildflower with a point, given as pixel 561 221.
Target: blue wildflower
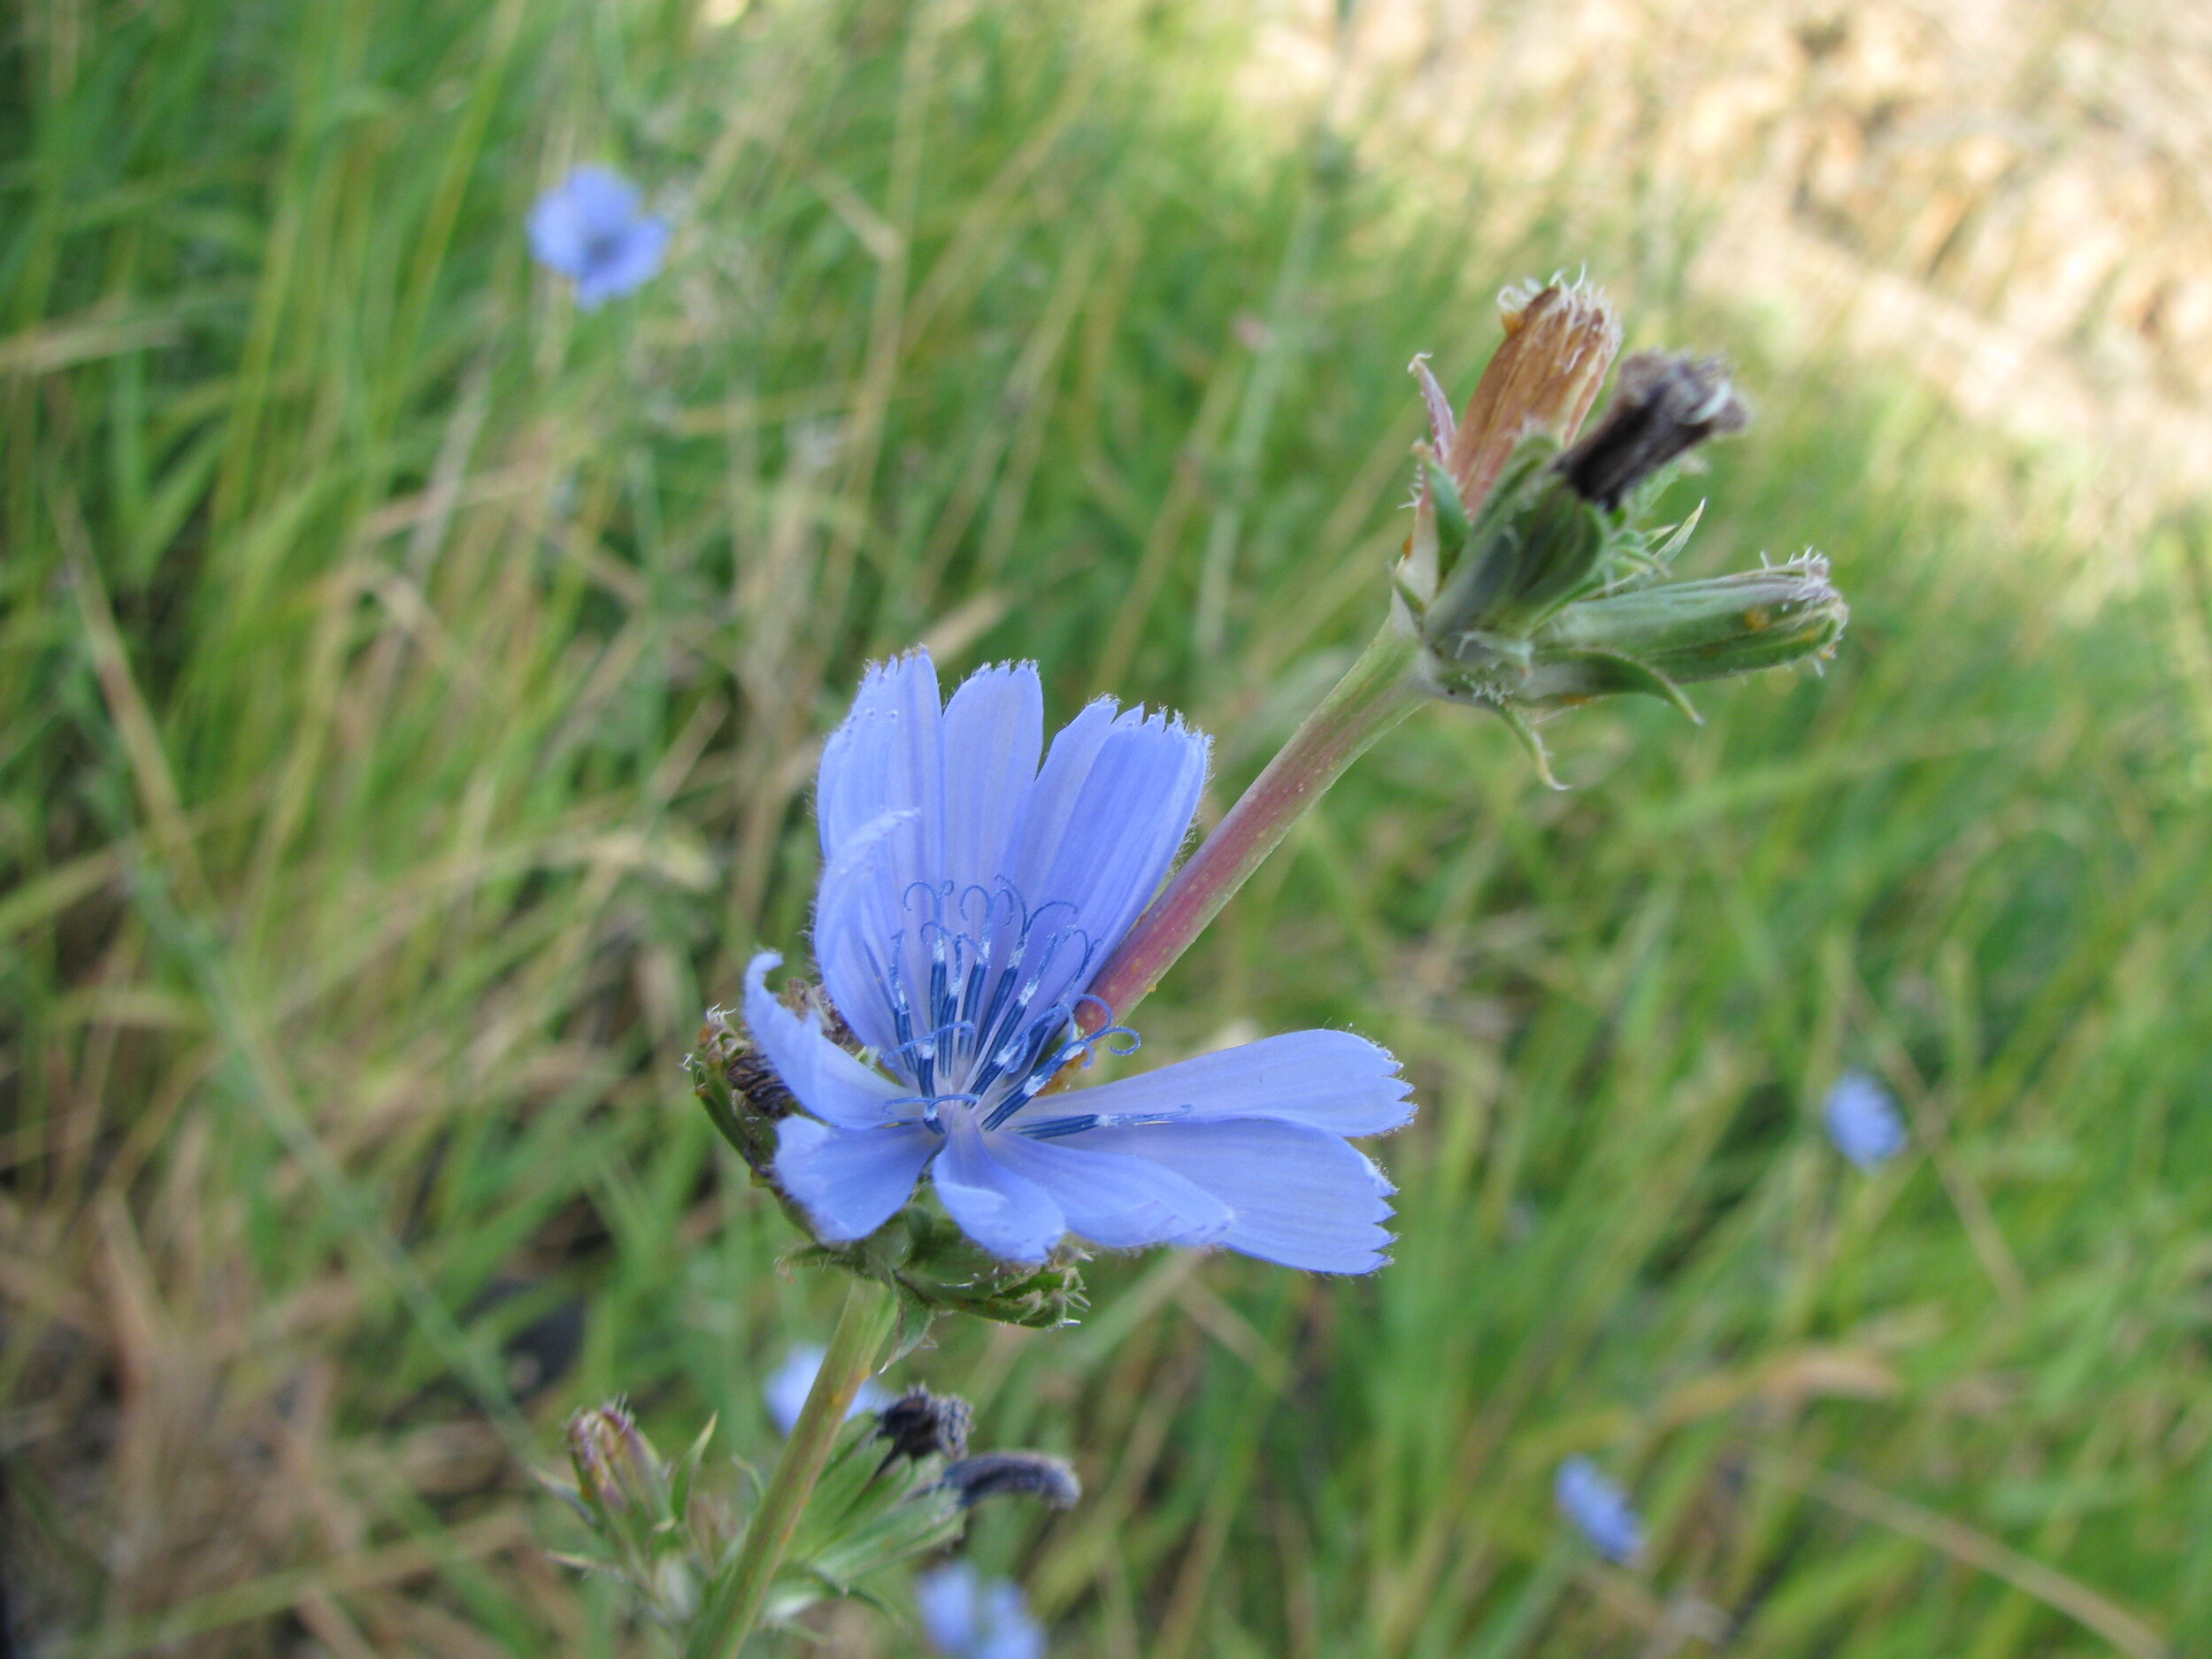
pixel 591 229
pixel 969 1620
pixel 786 1391
pixel 1600 1509
pixel 968 896
pixel 1863 1120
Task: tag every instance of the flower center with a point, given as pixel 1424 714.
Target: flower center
pixel 994 1019
pixel 603 247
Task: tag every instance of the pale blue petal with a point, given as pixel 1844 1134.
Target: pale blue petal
pixel 949 1601
pixel 850 1182
pixel 624 261
pixel 1010 1631
pixel 1600 1509
pixel 1328 1079
pixel 833 1085
pixel 993 732
pixel 861 776
pixel 855 914
pixel 1010 1215
pixel 786 1390
pixel 787 1386
pixel 1048 812
pixel 1302 1196
pixel 1863 1120
pixel 1110 808
pixel 587 205
pixel 882 783
pixel 1119 1203
pixel 963 1618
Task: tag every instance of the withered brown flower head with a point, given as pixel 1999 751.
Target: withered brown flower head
pixel 1559 341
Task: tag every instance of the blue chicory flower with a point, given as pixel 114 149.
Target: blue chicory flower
pixel 969 1620
pixel 1598 1507
pixel 1863 1120
pixel 591 229
pixel 786 1391
pixel 967 897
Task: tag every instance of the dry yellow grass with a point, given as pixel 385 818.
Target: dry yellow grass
pixel 2010 198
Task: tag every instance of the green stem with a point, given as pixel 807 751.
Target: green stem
pixel 1376 693
pixel 734 1605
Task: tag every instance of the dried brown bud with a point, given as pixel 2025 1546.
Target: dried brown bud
pixel 1559 342
pixel 1665 404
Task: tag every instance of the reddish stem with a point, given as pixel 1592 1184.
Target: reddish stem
pixel 1373 696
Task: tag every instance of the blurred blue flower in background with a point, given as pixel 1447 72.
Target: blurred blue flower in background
pixel 1600 1509
pixel 968 896
pixel 1863 1120
pixel 969 1620
pixel 590 228
pixel 786 1391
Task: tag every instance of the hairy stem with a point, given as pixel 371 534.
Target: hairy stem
pixel 734 1604
pixel 1375 694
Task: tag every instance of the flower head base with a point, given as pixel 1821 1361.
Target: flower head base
pixel 972 882
pixel 1863 1121
pixel 1531 584
pixel 1599 1509
pixel 592 228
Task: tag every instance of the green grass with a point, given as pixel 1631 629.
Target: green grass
pixel 409 688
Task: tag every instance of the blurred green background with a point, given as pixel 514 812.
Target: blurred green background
pixel 408 694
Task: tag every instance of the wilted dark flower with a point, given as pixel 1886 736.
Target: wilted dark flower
pixel 919 1424
pixel 1663 406
pixel 1014 1474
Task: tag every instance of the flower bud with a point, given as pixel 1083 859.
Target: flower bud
pixel 1560 340
pixel 1535 545
pixel 1528 583
pixel 1685 632
pixel 617 1470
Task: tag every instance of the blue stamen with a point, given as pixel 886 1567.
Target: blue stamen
pixel 978 1029
pixel 1055 1128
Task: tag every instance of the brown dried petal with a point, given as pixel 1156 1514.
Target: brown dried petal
pixel 1559 343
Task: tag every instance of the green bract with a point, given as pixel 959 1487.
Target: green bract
pixel 932 1265
pixel 882 1500
pixel 1542 598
